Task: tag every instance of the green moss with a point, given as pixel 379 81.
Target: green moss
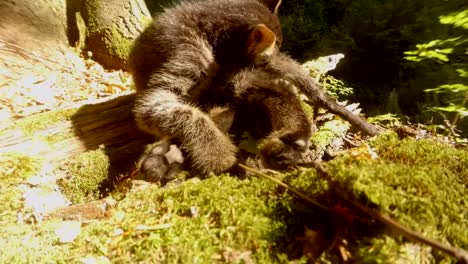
pixel 207 218
pixel 14 169
pixel 85 174
pixel 420 183
pixel 330 131
pixel 196 221
pixel 309 110
pixel 92 9
pixel 28 243
pixel 390 120
pixel 423 184
pixel 52 139
pixel 145 20
pixel 120 44
pixel 30 125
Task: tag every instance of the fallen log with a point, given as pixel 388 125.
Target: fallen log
pixel 106 124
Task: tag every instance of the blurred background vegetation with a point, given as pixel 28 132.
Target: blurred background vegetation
pixel 402 57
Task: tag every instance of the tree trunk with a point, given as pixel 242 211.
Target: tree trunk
pixel 111 26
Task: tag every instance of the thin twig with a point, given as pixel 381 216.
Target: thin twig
pixel 458 253
pixel 296 192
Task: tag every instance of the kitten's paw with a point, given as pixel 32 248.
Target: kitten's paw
pixel 162 164
pixel 216 156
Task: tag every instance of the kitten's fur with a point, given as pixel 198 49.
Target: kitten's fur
pixel 204 54
pixel 182 62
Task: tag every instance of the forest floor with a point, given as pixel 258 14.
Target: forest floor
pixel 63 200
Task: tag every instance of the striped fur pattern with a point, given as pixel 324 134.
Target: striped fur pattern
pixel 200 73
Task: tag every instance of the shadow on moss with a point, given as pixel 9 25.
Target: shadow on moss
pixel 113 146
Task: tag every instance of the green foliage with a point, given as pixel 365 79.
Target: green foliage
pixel 319 68
pixel 458 19
pixel 337 88
pixel 382 64
pixel 433 50
pixel 452 98
pixel 303 24
pixel 370 34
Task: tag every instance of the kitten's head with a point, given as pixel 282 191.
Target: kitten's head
pixel 262 45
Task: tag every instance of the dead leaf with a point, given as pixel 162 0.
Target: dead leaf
pixel 235 256
pixel 363 152
pixel 84 212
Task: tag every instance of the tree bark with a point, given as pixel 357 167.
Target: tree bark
pixel 111 26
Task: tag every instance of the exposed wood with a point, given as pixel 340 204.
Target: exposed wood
pixel 107 124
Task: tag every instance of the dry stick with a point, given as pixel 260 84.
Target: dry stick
pixel 458 253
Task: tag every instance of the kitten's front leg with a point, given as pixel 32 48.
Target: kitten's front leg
pixel 165 114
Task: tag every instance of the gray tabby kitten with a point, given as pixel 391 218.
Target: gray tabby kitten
pixel 199 56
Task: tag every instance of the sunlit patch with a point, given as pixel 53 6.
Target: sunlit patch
pixel 31 83
pixel 67 231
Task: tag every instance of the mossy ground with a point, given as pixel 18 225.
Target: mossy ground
pixel 86 173
pixel 422 184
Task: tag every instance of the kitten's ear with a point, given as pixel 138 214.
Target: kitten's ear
pixel 273 5
pixel 261 42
